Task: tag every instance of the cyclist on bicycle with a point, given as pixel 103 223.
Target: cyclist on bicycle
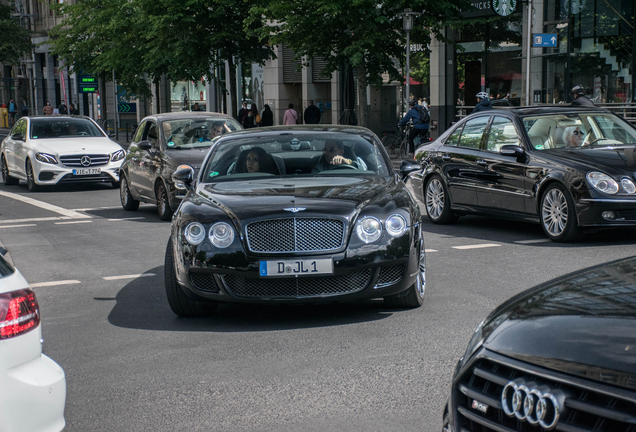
pixel 420 125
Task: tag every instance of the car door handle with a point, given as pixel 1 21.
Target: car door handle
pixel 446 157
pixel 482 162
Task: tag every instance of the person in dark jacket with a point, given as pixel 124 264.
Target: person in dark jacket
pixel 483 102
pixel 312 114
pixel 243 113
pixel 419 128
pixel 72 110
pixel 578 94
pixel 62 108
pixel 267 119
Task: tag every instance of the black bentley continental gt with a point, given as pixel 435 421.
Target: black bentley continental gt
pixel 295 214
pixel 570 169
pixel 560 356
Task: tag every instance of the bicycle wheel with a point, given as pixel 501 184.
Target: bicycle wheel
pixel 390 143
pixel 404 147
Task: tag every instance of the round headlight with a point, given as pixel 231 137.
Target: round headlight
pixel 395 225
pixel 221 235
pixel 369 229
pixel 602 182
pixel 628 185
pixel 194 233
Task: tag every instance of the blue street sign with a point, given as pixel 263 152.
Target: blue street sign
pixel 544 40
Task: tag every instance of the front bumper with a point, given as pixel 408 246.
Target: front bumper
pixel 590 212
pixel 52 174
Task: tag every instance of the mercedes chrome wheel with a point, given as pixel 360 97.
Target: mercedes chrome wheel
pixel 558 217
pixel 438 202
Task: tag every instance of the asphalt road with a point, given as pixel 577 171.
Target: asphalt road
pixel 133 365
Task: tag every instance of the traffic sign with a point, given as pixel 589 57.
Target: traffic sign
pixel 124 107
pixel 87 83
pixel 544 40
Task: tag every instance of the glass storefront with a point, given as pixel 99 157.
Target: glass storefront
pixel 185 94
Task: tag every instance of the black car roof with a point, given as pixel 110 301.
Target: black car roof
pixel 303 129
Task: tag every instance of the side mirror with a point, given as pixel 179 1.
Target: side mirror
pixel 144 145
pixel 183 177
pixel 17 137
pixel 512 150
pixel 407 167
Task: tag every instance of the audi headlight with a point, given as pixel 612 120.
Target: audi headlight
pixel 602 182
pixel 369 229
pixel 118 155
pixel 221 235
pixel 395 225
pixel 194 233
pixel 46 158
pixel 628 185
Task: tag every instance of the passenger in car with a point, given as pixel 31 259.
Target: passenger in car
pixel 332 155
pixel 256 160
pixel 573 136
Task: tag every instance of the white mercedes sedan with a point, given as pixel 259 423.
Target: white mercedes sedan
pixel 50 150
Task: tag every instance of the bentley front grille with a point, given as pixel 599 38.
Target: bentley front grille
pixel 495 396
pixel 295 235
pixel 297 287
pixel 389 275
pixel 88 160
pixel 204 282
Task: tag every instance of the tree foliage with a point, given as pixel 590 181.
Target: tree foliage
pixel 16 40
pixel 150 38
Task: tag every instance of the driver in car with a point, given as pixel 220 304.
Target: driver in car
pixel 332 156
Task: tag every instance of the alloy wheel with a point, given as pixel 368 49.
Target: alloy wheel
pixel 554 212
pixel 435 198
pixel 123 191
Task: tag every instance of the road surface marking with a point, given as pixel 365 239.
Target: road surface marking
pixel 54 283
pixel 430 250
pixel 135 276
pixel 96 208
pixel 64 212
pixel 125 219
pixel 33 220
pixel 72 222
pixel 477 246
pixel 17 226
pixel 533 241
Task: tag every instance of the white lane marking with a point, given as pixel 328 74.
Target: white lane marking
pixel 64 212
pixel 135 276
pixel 533 241
pixel 125 219
pixel 477 246
pixel 17 226
pixel 33 220
pixel 54 283
pixel 429 250
pixel 97 208
pixel 72 222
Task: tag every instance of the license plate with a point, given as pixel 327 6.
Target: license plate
pixel 84 171
pixel 304 267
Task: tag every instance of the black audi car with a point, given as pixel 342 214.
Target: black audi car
pixel 297 215
pixel 561 356
pixel 570 169
pixel 161 144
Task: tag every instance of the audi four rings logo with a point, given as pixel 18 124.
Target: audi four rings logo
pixel 534 403
pixel 86 161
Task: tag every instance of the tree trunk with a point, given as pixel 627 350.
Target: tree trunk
pixel 361 73
pixel 231 83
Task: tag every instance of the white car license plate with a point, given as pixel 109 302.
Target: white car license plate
pixel 306 267
pixel 84 171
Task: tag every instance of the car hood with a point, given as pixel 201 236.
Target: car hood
pixel 582 324
pixel 611 160
pixel 344 196
pixel 193 157
pixel 63 146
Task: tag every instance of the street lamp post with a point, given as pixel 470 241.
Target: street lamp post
pixel 407 25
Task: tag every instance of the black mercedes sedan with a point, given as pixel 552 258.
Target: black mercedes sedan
pixel 560 356
pixel 298 215
pixel 161 144
pixel 570 169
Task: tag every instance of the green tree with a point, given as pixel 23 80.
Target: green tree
pixel 151 38
pixel 15 41
pixel 365 33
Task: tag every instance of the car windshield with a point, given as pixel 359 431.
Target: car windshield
pixel 295 154
pixel 195 132
pixel 43 128
pixel 578 130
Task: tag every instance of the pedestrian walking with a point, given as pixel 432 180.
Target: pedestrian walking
pixel 243 113
pixel 12 110
pixel 267 119
pixel 24 109
pixel 48 109
pixel 291 116
pixel 483 102
pixel 312 114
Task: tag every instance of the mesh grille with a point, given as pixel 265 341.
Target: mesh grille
pixel 295 235
pixel 297 287
pixel 390 275
pixel 485 382
pixel 204 282
pixel 76 160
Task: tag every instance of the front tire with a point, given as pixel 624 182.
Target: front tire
pixel 31 184
pixel 126 198
pixel 180 303
pixel 412 298
pixel 163 203
pixel 6 178
pixel 558 215
pixel 437 202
